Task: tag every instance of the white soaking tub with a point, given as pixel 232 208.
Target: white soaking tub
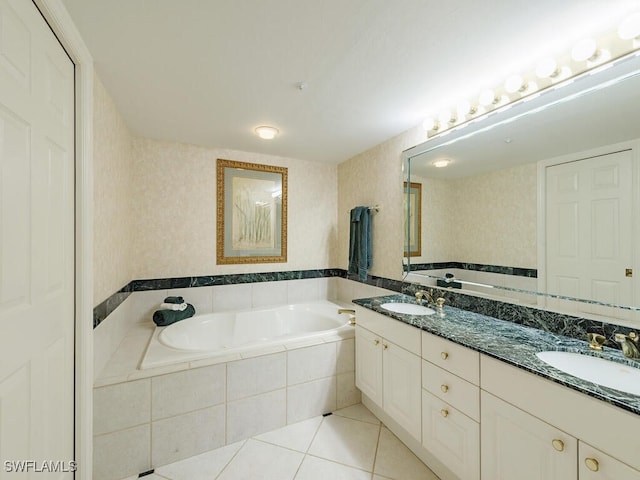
pixel 246 332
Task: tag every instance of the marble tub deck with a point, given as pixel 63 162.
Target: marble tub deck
pixel 512 343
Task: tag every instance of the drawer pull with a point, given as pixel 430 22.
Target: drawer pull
pixel 385 346
pixel 444 388
pixel 444 412
pixel 376 341
pixel 444 355
pixel 592 464
pixel 558 444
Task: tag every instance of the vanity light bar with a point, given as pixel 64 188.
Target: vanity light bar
pixel 588 54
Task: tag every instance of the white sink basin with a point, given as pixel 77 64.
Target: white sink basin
pixel 408 308
pixel 594 369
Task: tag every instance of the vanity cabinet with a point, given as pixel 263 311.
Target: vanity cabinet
pixel 388 368
pixel 536 429
pixel 518 445
pixel 451 405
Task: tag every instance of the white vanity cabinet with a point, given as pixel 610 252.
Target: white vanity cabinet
pixel 536 429
pixel 451 405
pixel 518 445
pixel 388 368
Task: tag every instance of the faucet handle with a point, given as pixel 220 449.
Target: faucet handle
pixel 440 302
pixel 596 340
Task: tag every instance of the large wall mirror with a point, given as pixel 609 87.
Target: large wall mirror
pixel 540 202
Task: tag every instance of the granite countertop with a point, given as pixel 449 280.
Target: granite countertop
pixel 512 343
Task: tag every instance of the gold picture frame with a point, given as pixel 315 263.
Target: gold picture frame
pixel 251 213
pixel 412 220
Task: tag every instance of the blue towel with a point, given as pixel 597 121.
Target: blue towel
pixel 360 242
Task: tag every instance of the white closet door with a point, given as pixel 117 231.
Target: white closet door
pixel 36 245
pixel 590 228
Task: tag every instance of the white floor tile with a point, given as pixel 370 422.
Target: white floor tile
pixel 346 441
pixel 395 460
pixel 258 460
pixel 314 468
pixel 297 436
pixel 358 412
pixel 205 466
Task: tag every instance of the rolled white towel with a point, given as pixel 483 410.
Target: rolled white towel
pixel 179 307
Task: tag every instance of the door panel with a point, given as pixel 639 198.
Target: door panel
pixel 36 241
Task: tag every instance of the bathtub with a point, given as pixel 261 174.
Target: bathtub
pixel 245 333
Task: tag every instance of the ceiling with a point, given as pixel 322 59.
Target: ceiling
pixel 207 72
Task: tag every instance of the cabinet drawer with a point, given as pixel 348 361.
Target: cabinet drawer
pixel 452 389
pixel 451 436
pixel 406 336
pixel 455 358
pixel 596 465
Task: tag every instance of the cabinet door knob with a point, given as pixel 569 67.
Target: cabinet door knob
pixel 558 444
pixel 376 341
pixel 592 464
pixel 444 388
pixel 385 346
pixel 444 355
pixel 444 412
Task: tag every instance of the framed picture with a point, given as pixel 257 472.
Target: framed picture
pixel 413 219
pixel 251 213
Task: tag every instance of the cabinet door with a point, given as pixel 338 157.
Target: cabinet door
pixel 596 465
pixel 518 445
pixel 369 364
pixel 451 436
pixel 401 387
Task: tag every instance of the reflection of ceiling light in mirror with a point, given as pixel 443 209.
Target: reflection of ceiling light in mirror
pixel 266 132
pixel 585 49
pixel 441 163
pixel 277 193
pixel 630 27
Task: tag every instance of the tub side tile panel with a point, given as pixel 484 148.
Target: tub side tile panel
pixel 120 406
pixel 121 454
pixel 176 438
pixel 254 415
pixel 182 392
pixel 346 359
pixel 311 363
pixel 310 399
pixel 257 375
pixel 268 293
pixel 232 297
pixel 306 290
pixel 346 392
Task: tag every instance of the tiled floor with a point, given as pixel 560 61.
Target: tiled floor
pixel 351 444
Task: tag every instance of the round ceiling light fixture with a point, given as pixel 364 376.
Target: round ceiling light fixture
pixel 266 132
pixel 441 163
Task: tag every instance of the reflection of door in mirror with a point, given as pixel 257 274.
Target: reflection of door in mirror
pixel 589 230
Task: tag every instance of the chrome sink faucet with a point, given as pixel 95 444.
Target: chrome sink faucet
pixel 630 344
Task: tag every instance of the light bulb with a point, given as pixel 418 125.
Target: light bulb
pixel 429 124
pixel 445 117
pixel 630 27
pixel 465 108
pixel 585 49
pixel 514 83
pixel 547 68
pixel 487 97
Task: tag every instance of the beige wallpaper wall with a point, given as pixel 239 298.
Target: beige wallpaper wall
pixel 112 185
pixel 496 218
pixel 376 177
pixel 174 204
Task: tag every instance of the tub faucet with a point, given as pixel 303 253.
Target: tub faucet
pixel 630 344
pixel 351 312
